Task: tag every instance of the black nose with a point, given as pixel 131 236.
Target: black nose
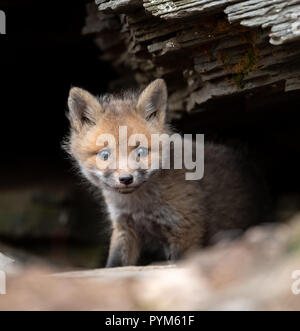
pixel 126 179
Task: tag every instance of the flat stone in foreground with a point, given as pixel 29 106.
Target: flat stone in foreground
pixel 259 271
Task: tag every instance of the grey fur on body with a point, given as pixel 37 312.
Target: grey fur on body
pixel 229 197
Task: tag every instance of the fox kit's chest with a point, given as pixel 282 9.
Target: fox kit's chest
pixel 145 210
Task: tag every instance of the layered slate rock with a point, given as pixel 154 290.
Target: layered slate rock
pixel 259 271
pixel 204 49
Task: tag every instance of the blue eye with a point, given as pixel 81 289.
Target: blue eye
pixel 142 151
pixel 104 154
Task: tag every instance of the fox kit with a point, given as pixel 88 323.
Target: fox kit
pixel 156 209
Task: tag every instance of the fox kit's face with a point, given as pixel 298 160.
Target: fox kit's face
pixel 111 138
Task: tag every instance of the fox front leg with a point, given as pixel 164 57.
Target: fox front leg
pixel 124 247
pixel 178 247
pixel 173 252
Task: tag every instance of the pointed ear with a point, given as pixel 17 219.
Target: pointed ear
pixel 83 107
pixel 153 101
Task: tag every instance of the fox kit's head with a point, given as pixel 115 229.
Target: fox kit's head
pixel 100 128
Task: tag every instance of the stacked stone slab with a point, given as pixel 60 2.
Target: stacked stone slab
pixel 204 49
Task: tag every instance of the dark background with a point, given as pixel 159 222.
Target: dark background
pixel 42 55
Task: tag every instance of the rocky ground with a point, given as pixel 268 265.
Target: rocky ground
pixel 255 272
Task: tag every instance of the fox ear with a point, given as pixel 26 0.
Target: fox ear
pixel 153 101
pixel 83 107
